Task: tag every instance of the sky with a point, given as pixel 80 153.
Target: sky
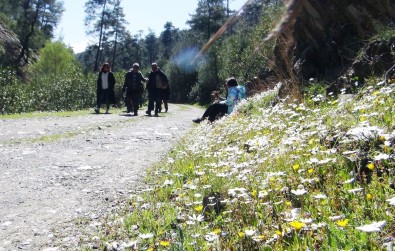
pixel 140 14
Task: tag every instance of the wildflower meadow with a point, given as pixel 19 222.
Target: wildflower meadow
pixel 277 174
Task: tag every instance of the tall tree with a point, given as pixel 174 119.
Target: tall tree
pixel 33 21
pixel 117 28
pixel 129 51
pixel 252 12
pixel 168 38
pixel 209 16
pixel 151 42
pixel 98 22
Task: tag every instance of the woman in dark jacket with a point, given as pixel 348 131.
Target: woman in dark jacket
pixel 105 87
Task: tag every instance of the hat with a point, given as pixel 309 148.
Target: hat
pixel 136 65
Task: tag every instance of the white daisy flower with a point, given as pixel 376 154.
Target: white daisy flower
pixel 392 201
pixel 210 237
pixel 300 191
pixel 249 232
pixel 320 196
pixel 356 190
pixel 373 227
pixel 146 236
pixel 168 182
pixel 381 156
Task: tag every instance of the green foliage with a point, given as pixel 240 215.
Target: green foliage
pixel 182 79
pixel 209 17
pixel 383 32
pixel 241 54
pixel 244 54
pixel 33 21
pixel 69 90
pixel 54 58
pixel 208 78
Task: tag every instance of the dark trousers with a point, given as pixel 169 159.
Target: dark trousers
pixel 214 111
pixel 165 103
pixel 141 99
pixel 154 100
pixel 133 101
pixel 103 96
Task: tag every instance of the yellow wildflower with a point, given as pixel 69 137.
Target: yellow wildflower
pixel 311 170
pixel 295 167
pixel 164 243
pixel 217 231
pixel 297 225
pixel 370 166
pixel 288 203
pixel 241 234
pixel 199 208
pixel 254 193
pixel 369 196
pixel 150 249
pixel 342 223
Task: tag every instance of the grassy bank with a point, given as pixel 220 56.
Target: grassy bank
pixel 275 175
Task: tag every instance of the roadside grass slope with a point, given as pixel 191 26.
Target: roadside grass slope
pixel 275 175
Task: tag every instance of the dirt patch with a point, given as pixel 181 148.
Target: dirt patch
pixel 60 175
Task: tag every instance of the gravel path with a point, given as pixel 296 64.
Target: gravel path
pixel 60 175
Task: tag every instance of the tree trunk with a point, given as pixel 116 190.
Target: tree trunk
pixel 99 49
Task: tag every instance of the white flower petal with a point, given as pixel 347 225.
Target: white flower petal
pixel 373 227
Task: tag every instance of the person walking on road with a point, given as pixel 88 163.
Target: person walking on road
pixel 157 81
pixel 133 87
pixel 105 88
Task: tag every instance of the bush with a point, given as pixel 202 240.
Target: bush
pixel 69 90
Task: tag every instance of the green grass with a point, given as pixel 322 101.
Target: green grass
pixel 272 177
pixel 47 114
pixel 59 136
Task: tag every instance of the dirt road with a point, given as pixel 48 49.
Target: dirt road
pixel 60 175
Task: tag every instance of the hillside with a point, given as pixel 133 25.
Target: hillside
pixel 275 175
